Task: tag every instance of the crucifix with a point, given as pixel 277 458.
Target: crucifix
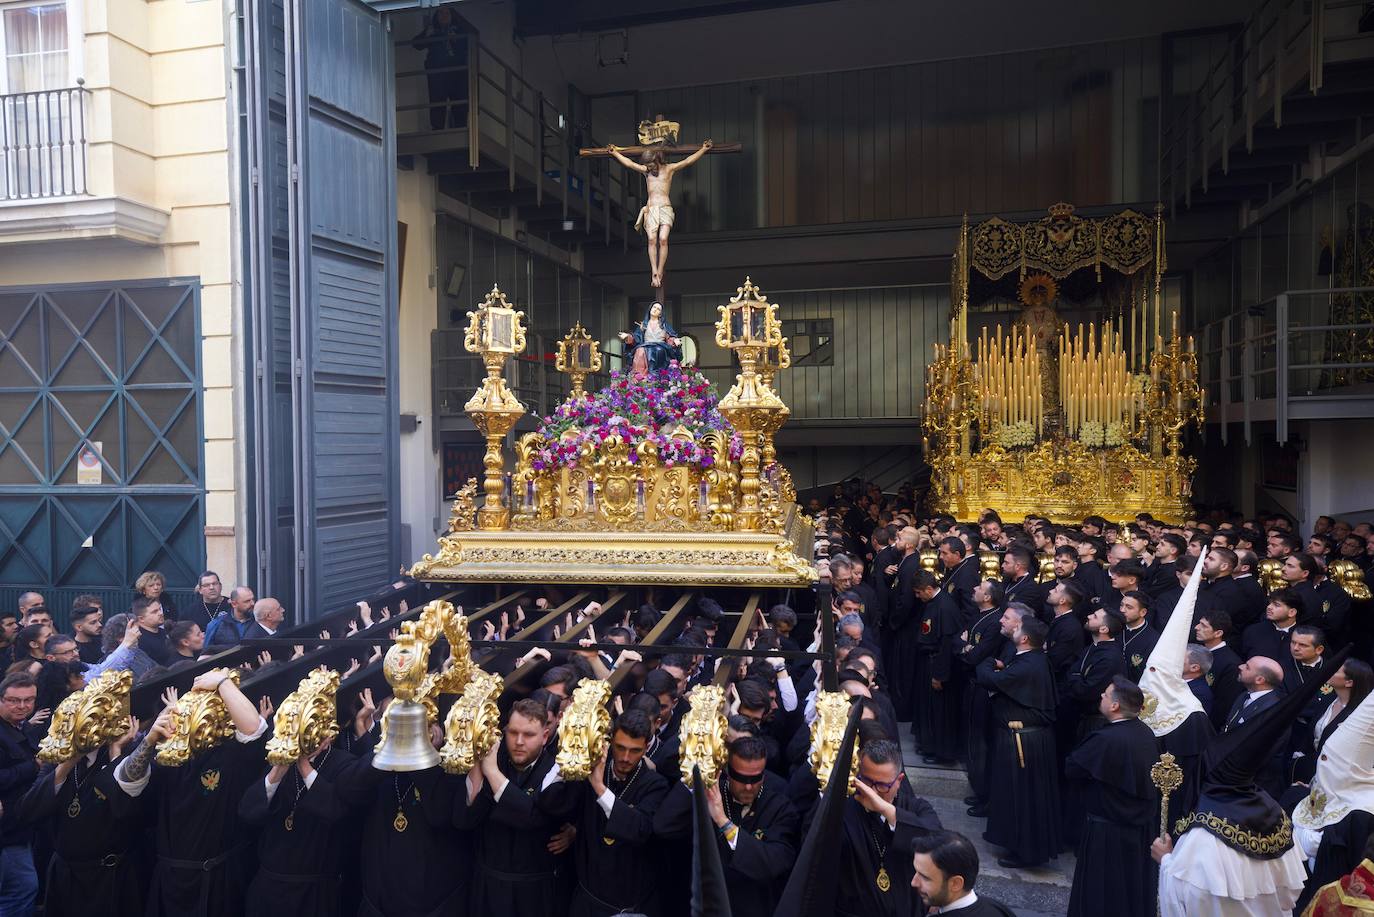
pixel 658 139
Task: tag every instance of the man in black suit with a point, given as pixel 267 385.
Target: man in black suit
pixel 1270 637
pixel 1020 567
pixel 1301 572
pixel 1220 589
pixel 1163 573
pixel 961 576
pixel 903 622
pixel 268 616
pixel 1212 629
pixel 1066 637
pixel 1138 638
pixel 1255 597
pixel 1197 663
pixel 1091 574
pixel 1262 681
pixel 1126 576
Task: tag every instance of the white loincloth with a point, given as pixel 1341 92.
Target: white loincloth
pixel 652 216
pixel 1203 877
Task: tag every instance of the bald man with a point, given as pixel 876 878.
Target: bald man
pixel 903 621
pixel 27 601
pixel 1261 682
pixel 268 616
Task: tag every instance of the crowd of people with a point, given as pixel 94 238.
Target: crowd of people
pixel 1055 663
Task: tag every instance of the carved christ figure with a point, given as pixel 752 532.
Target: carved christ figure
pixel 656 217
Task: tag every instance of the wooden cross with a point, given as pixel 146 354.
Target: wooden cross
pixel 597 151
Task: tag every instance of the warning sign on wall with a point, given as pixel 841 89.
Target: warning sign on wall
pixel 88 467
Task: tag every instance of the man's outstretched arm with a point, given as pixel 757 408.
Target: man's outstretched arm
pixel 625 160
pixel 682 164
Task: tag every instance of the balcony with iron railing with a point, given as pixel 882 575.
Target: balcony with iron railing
pixel 1302 355
pixel 43 144
pixel 490 134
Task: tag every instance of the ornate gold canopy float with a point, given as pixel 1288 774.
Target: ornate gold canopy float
pixel 616 506
pixel 1040 417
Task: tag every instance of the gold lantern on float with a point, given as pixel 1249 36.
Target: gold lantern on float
pixel 495 332
pixel 578 355
pixel 748 325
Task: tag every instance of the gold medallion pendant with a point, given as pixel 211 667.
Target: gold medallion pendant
pixel 74 809
pixel 400 822
pixel 290 822
pixel 884 882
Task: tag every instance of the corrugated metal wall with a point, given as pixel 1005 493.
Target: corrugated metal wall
pixel 978 135
pixel 883 339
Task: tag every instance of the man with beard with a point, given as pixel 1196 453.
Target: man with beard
pixel 199 838
pixel 613 811
pixel 1020 568
pixel 946 868
pixel 516 873
pixel 961 576
pixel 756 825
pixel 1113 874
pixel 939 690
pixel 212 602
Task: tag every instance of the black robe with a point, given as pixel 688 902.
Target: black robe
pixel 515 873
pixel 865 834
pixel 1225 683
pixel 960 582
pixel 985 907
pixel 1064 644
pixel 882 586
pixel 422 870
pixel 95 870
pixel 900 648
pixel 939 714
pixel 1095 582
pixel 1082 689
pixel 1341 850
pixel 1029 593
pixel 1255 599
pixel 203 861
pixel 985 641
pixel 614 856
pixel 1137 646
pixel 1186 742
pixel 765 848
pixel 1023 802
pixel 300 866
pixel 1114 873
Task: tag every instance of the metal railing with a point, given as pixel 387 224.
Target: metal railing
pixel 1304 354
pixel 1283 44
pixel 490 108
pixel 43 143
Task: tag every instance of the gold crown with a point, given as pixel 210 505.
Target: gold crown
pixel 306 719
pixel 88 718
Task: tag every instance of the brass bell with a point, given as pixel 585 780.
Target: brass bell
pixel 405 744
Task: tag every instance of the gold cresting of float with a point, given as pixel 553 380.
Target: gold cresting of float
pixel 88 719
pixel 200 721
pixel 584 730
pixel 704 733
pixel 306 719
pixel 473 725
pixel 827 735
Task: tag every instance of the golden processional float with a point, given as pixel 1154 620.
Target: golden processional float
pixel 647 482
pixel 1079 405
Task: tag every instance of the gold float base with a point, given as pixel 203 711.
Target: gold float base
pixel 559 552
pixel 1065 482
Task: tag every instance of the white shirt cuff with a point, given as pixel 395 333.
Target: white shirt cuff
pixel 607 802
pixel 270 787
pixel 257 733
pixel 733 839
pixel 132 787
pixel 496 795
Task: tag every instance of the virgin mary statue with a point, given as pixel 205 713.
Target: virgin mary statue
pixel 654 343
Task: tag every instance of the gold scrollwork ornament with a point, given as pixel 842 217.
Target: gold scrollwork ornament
pixel 703 734
pixel 306 719
pixel 200 721
pixel 473 726
pixel 584 730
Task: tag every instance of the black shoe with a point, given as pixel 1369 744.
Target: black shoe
pixel 972 801
pixel 1014 863
pixel 978 811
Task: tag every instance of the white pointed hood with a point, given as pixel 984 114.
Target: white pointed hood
pixel 1168 699
pixel 1344 780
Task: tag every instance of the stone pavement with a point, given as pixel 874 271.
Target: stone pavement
pixel 1030 892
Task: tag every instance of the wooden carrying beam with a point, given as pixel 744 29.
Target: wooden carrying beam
pixel 738 638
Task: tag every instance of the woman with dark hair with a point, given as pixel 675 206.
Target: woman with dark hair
pixel 1351 684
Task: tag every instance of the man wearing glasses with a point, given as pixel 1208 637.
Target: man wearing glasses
pixel 18 768
pixel 881 822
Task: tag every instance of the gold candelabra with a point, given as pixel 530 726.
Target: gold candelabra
pixel 495 331
pixel 578 355
pixel 748 325
pixel 1174 398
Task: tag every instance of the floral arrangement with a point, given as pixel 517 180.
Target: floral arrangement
pixel 1092 434
pixel 650 409
pixel 1013 435
pixel 1115 435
